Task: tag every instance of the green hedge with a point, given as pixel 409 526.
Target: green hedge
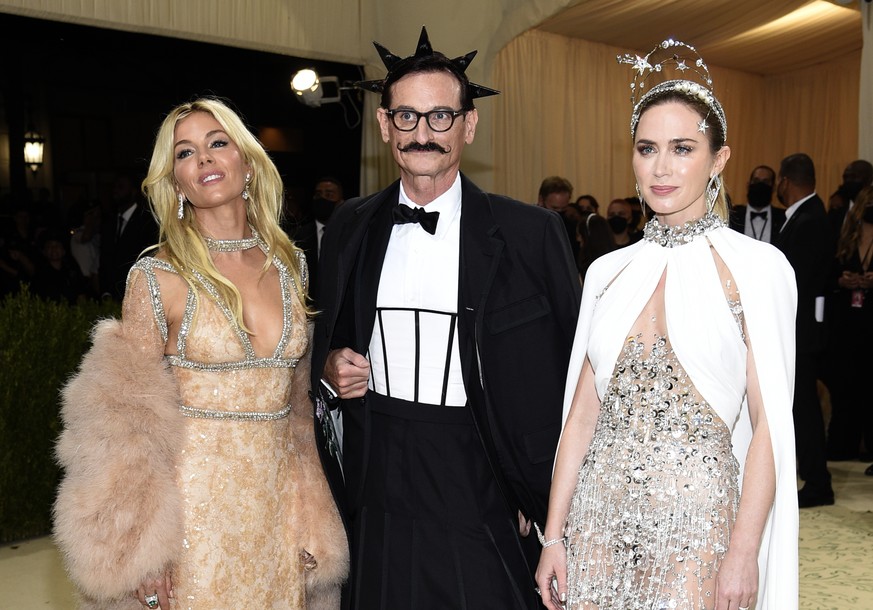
pixel 41 344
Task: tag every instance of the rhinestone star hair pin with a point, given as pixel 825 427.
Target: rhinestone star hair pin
pixel 682 58
pixel 422 49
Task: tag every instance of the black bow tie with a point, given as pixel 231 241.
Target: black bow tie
pixel 404 214
pixel 759 215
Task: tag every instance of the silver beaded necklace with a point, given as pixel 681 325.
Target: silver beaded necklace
pixel 233 245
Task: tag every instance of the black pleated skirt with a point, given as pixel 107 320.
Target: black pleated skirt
pixel 431 530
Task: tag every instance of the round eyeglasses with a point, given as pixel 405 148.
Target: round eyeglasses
pixel 437 120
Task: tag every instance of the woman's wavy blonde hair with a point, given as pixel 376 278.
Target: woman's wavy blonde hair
pixel 181 241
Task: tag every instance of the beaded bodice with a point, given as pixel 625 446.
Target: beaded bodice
pixel 214 358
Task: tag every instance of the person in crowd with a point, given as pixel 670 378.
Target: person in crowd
pixel 555 194
pixel 635 228
pixel 449 318
pixel 758 219
pixel 192 478
pixel 805 241
pixel 57 276
pixel 326 197
pixel 674 483
pixel 857 176
pixel 850 307
pixel 573 215
pixel 619 215
pixel 588 204
pixel 127 230
pixel 595 239
pixel 18 252
pixel 85 245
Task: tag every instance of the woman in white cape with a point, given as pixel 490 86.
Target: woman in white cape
pixel 674 482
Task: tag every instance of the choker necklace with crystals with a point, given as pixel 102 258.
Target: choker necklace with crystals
pixel 233 245
pixel 671 236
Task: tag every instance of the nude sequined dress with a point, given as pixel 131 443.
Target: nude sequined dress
pixel 257 511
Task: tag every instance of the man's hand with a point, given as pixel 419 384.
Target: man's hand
pixel 347 372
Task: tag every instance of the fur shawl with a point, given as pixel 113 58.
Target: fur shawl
pixel 118 515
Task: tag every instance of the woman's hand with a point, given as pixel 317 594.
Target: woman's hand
pixel 553 565
pixel 849 280
pixel 162 586
pixel 736 585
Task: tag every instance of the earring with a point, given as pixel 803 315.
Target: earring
pixel 712 191
pixel 642 201
pixel 245 193
pixel 181 206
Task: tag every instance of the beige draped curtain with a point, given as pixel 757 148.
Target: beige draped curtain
pixel 565 110
pixel 865 111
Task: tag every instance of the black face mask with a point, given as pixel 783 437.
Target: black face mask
pixel 868 214
pixel 618 224
pixel 849 189
pixel 322 209
pixel 759 194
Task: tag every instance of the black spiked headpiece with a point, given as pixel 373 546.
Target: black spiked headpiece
pixel 422 49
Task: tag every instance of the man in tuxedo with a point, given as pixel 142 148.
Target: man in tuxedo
pixel 326 197
pixel 759 219
pixel 445 335
pixel 127 230
pixel 806 243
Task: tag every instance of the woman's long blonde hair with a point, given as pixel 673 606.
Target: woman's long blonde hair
pixel 181 241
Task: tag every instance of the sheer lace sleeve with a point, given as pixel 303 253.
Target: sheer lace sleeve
pixel 142 312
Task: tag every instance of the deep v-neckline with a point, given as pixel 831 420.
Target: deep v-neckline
pixel 242 336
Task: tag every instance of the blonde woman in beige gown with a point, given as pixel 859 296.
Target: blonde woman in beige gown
pixel 192 477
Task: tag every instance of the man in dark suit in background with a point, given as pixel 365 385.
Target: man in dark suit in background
pixel 326 197
pixel 446 332
pixel 759 219
pixel 806 243
pixel 127 230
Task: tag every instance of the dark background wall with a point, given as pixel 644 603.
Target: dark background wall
pixel 99 95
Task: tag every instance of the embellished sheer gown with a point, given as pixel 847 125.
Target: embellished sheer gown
pixel 257 511
pixel 657 495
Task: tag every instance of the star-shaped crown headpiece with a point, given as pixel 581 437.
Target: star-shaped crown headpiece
pixel 681 58
pixel 422 49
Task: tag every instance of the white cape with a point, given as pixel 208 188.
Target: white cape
pixel 707 341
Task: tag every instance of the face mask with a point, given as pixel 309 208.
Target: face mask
pixel 322 209
pixel 759 194
pixel 868 214
pixel 618 224
pixel 849 189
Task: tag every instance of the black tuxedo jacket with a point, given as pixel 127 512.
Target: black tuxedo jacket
pixel 806 242
pixel 775 219
pixel 118 253
pixel 518 300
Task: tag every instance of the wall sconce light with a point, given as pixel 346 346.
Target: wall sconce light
pixel 309 87
pixel 33 149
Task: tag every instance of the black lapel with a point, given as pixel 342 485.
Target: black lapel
pixel 481 248
pixel 369 265
pixel 352 233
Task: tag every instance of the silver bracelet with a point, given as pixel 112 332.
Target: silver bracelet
pixel 547 543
